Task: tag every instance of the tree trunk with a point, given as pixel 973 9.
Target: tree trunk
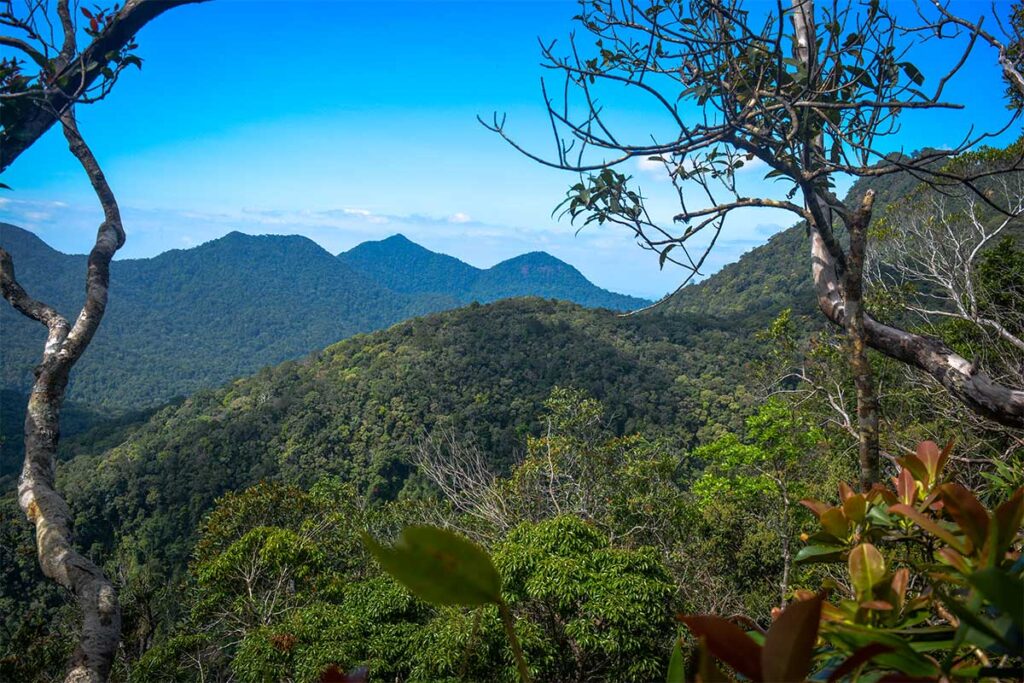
pixel 45 508
pixel 863 379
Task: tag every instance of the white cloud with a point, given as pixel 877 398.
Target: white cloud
pixel 459 217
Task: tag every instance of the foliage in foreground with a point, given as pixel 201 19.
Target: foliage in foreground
pixel 932 589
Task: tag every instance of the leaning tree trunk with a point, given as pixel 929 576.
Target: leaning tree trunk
pixel 958 376
pixel 100 629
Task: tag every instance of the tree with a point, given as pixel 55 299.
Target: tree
pixel 65 76
pixel 933 256
pixel 767 474
pixel 811 92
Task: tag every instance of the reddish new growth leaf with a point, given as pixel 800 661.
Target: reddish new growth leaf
pixel 333 674
pixel 789 644
pixel 728 643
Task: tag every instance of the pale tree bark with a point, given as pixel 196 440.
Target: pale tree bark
pixel 853 282
pixel 59 559
pixel 838 281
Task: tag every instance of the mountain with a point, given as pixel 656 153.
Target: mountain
pixel 401 265
pixel 359 408
pixel 195 318
pixel 404 266
pixel 777 274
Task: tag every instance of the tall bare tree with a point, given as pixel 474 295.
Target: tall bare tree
pixel 810 91
pixel 32 101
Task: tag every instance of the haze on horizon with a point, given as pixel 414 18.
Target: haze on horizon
pixel 353 121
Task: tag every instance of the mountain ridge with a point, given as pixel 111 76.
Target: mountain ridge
pixel 189 319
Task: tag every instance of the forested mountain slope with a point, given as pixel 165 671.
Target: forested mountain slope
pixel 777 274
pixel 360 407
pixel 192 319
pixel 404 266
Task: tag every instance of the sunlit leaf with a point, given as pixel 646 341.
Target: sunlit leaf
pixel 867 566
pixel 439 566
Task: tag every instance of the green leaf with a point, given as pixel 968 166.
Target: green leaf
pixel 790 641
pixel 913 73
pixel 819 553
pixel 1005 592
pixel 979 630
pixel 439 566
pixel 867 566
pixel 676 670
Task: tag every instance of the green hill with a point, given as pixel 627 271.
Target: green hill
pixel 358 409
pixel 196 318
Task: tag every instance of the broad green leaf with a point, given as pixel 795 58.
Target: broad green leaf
pixel 676 670
pixel 790 642
pixel 819 553
pixel 867 567
pixel 439 566
pixel 1004 591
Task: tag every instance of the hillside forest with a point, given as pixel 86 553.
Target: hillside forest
pixel 254 460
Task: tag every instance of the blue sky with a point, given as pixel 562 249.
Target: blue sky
pixel 348 121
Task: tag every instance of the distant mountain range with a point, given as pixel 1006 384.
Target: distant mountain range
pixel 403 266
pixel 195 318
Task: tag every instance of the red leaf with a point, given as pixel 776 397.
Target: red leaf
pixel 788 646
pixel 966 511
pixel 900 580
pixel 815 506
pixel 1008 518
pixel 87 13
pixel 727 642
pixel 844 491
pixel 954 559
pixel 906 487
pixel 928 524
pixel 916 467
pixel 834 522
pixel 928 454
pixel 944 456
pixel 333 674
